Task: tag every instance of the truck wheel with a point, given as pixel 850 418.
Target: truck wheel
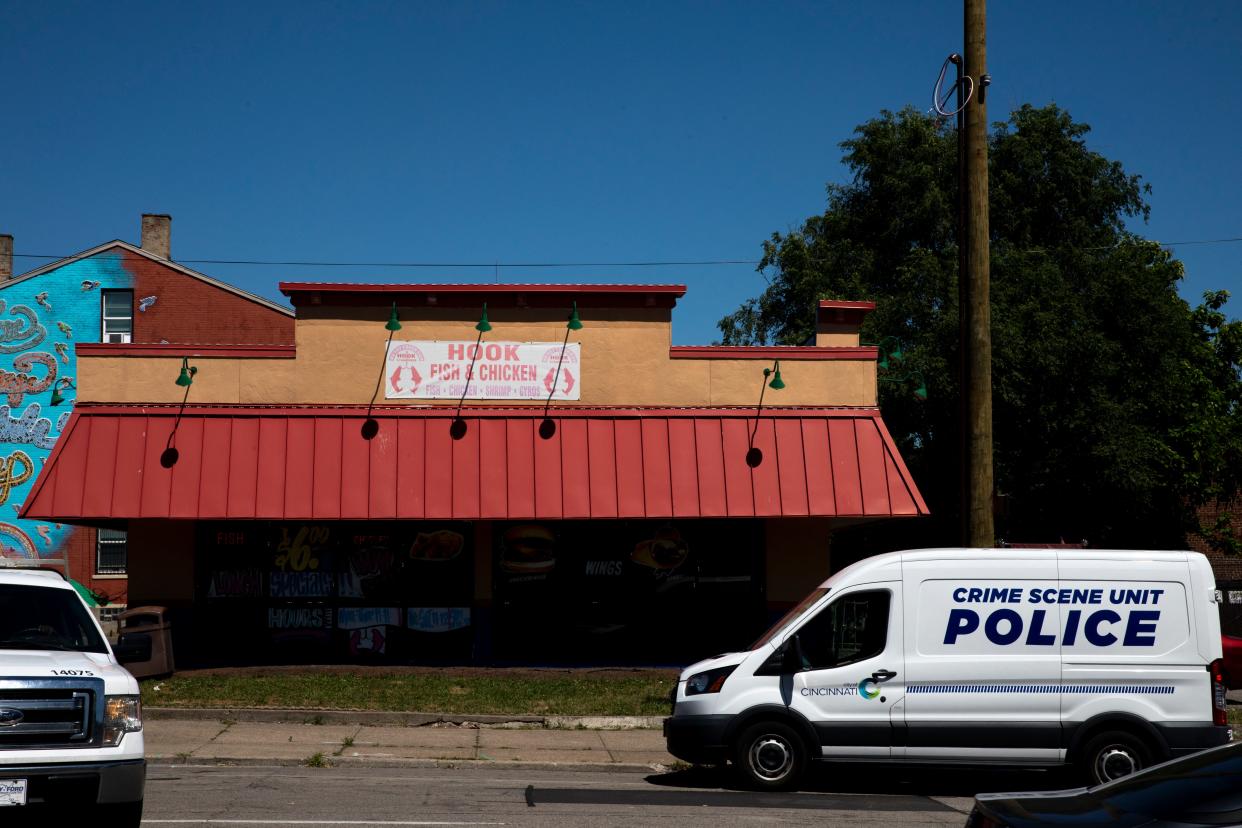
pixel 770 756
pixel 120 815
pixel 1112 755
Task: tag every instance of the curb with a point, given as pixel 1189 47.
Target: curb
pixel 381 718
pixel 444 764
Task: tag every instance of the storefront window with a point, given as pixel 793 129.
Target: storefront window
pixel 644 592
pixel 340 591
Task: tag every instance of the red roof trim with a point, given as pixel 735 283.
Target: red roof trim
pixel 448 411
pixel 331 294
pixel 790 352
pixel 114 349
pixel 846 305
pixel 834 311
pixel 288 288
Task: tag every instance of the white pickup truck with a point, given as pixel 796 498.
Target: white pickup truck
pixel 70 715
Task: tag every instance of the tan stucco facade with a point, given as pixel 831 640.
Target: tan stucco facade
pixel 626 361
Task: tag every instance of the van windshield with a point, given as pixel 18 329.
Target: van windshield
pixel 42 618
pixel 789 617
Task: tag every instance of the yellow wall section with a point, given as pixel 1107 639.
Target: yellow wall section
pixel 625 361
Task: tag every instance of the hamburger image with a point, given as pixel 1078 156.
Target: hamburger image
pixel 667 550
pixel 528 550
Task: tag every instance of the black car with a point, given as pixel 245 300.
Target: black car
pixel 1201 789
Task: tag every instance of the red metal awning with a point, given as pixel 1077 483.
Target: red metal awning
pixel 245 462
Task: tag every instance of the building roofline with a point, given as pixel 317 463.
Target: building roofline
pixel 202 277
pixel 288 288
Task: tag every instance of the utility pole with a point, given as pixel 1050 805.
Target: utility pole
pixel 980 530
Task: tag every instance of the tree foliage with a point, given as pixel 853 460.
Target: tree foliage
pixel 1117 407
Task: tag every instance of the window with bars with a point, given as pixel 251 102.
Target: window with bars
pixel 118 315
pixel 110 552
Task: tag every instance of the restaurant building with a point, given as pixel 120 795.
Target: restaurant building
pixel 477 474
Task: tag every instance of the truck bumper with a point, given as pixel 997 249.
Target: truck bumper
pixel 1192 737
pixel 81 782
pixel 699 740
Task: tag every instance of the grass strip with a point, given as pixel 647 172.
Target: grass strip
pixel 553 694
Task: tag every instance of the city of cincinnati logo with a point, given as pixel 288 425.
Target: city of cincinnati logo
pixel 867 688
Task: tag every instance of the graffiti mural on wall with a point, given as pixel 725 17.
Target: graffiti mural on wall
pixel 40 320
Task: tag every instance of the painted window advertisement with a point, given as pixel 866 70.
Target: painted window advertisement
pixel 578 591
pixel 339 591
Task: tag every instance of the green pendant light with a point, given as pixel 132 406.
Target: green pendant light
pixel 575 322
pixel 57 397
pixel 484 326
pixel 186 379
pixel 394 322
pixel 777 383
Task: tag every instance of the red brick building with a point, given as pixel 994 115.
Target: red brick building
pixel 112 293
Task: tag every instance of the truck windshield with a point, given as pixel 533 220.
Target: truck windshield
pixel 789 617
pixel 43 618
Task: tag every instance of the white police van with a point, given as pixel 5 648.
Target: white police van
pixel 1106 659
pixel 70 715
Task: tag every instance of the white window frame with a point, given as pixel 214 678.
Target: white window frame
pixel 111 570
pixel 116 336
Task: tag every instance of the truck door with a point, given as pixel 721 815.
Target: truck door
pixel 852 662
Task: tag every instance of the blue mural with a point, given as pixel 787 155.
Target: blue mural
pixel 41 317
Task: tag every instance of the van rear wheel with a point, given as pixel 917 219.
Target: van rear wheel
pixel 770 756
pixel 1112 755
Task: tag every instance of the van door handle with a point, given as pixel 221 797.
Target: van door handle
pixel 882 675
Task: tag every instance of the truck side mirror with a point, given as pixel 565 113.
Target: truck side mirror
pixel 791 656
pixel 132 648
pixel 784 661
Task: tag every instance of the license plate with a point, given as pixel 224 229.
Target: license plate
pixel 12 792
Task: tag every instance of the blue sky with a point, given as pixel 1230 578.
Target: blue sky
pixel 562 132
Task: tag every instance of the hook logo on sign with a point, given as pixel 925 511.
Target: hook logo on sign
pixel 411 386
pixel 551 377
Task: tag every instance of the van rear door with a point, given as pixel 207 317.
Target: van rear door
pixel 983 667
pixel 1134 649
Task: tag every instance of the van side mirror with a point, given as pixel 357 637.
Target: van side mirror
pixel 786 660
pixel 792 660
pixel 132 648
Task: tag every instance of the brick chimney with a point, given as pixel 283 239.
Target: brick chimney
pixel 838 323
pixel 156 233
pixel 6 256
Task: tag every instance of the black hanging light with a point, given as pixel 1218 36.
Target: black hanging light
pixel 370 426
pixel 457 429
pixel 754 456
pixel 547 427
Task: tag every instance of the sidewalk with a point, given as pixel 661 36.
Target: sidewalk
pixel 314 741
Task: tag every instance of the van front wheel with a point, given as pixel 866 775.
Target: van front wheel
pixel 1112 755
pixel 770 756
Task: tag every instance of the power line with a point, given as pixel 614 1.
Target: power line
pixel 493 264
pixel 446 265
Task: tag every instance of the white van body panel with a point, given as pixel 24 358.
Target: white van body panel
pixel 989 655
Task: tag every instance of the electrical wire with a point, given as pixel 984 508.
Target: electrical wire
pixel 938 102
pixel 669 263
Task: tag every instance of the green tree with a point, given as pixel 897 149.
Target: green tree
pixel 1117 407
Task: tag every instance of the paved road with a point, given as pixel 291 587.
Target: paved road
pixel 343 796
